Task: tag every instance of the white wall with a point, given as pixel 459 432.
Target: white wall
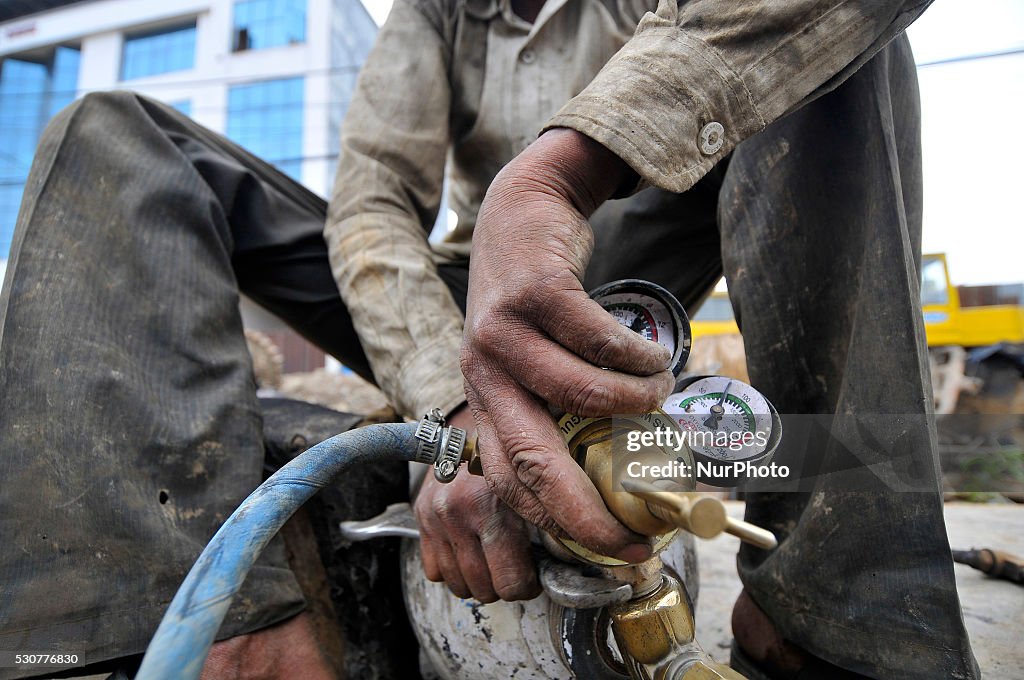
pixel 972 137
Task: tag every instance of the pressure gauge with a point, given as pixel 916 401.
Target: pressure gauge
pixel 725 420
pixel 651 311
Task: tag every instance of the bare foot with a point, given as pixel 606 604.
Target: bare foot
pixel 284 650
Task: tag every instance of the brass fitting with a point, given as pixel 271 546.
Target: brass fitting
pixel 651 509
pixel 593 443
pixel 597 459
pixel 701 670
pixel 702 516
pixel 654 628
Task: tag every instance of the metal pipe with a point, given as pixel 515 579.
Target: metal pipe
pixel 995 563
pixel 186 633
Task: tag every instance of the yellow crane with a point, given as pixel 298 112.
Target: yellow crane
pixel 995 315
pixel 966 327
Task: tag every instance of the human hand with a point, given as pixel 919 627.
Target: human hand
pixel 473 542
pixel 534 337
pixel 462 418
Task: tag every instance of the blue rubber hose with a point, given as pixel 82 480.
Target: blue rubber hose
pixel 186 633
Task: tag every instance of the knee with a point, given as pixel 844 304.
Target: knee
pixel 108 109
pixel 108 106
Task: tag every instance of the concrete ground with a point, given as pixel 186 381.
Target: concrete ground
pixel 993 609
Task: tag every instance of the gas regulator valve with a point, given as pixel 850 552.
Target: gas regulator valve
pixel 710 420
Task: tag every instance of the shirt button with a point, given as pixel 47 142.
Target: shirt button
pixel 712 137
pixel 528 56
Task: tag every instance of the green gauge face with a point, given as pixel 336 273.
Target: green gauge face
pixel 724 419
pixel 730 404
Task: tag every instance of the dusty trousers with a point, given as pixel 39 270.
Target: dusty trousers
pixel 816 224
pixel 124 374
pixel 129 423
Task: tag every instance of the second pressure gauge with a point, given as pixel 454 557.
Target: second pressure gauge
pixel 651 311
pixel 725 420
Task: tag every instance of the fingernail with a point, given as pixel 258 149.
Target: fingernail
pixel 635 552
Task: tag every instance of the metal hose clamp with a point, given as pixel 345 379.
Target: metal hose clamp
pixel 447 464
pixel 428 432
pixel 440 445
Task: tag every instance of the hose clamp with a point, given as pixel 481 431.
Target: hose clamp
pixel 439 445
pixel 428 432
pixel 447 464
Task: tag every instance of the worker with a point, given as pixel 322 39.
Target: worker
pixel 779 141
pixel 820 222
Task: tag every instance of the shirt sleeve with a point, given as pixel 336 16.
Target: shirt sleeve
pixel 385 199
pixel 700 77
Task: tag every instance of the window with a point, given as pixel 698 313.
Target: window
pixel 715 308
pixel 167 50
pixel 183 105
pixel 31 91
pixel 933 282
pixel 266 118
pixel 268 23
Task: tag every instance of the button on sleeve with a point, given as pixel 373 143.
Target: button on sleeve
pixel 698 78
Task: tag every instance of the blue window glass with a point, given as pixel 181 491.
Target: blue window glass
pixel 266 118
pixel 150 54
pixel 31 91
pixel 268 23
pixel 63 78
pixel 183 105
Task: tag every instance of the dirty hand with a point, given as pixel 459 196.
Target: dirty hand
pixel 533 337
pixel 471 540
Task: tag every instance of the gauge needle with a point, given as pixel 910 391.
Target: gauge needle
pixel 718 410
pixel 638 324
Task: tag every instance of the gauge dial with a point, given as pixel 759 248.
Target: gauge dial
pixel 651 321
pixel 651 311
pixel 726 419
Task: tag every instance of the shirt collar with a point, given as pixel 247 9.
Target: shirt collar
pixel 550 8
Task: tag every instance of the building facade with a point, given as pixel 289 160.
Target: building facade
pixel 273 75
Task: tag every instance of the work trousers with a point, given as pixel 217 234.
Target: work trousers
pixel 130 430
